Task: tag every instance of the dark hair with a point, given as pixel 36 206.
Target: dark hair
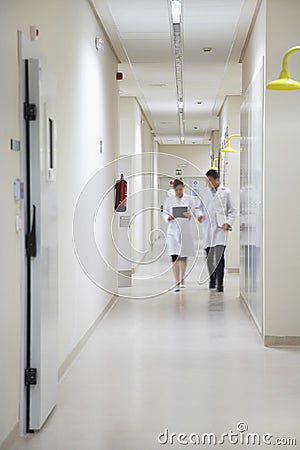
pixel 212 173
pixel 177 183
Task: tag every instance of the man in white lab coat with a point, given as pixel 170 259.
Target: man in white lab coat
pixel 216 213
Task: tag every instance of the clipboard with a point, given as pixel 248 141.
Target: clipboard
pixel 178 212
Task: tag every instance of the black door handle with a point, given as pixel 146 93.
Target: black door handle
pixel 31 236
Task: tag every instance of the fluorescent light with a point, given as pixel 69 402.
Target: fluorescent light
pixel 176 11
pixel 180 104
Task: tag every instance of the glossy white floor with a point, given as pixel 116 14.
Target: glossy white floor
pixel 189 362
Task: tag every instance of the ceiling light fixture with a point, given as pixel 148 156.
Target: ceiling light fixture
pixel 176 11
pixel 177 43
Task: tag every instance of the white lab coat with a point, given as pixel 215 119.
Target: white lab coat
pixel 217 209
pixel 179 232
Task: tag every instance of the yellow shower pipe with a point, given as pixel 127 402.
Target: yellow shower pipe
pixel 228 148
pixel 214 167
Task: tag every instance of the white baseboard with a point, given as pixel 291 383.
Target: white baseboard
pixel 277 341
pixel 251 313
pixel 233 270
pixel 11 438
pixel 271 341
pixel 75 352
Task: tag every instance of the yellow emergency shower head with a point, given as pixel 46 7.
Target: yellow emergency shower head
pixel 285 82
pixel 228 148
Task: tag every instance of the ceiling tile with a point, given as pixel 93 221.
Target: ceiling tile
pixel 144 30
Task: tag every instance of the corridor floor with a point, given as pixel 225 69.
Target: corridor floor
pixel 191 362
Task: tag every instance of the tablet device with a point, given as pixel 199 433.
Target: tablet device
pixel 178 212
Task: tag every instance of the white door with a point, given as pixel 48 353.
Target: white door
pixel 40 271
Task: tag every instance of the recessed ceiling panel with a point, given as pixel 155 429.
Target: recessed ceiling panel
pixel 144 30
pixel 146 50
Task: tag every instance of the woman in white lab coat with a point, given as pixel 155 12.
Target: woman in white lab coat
pixel 179 233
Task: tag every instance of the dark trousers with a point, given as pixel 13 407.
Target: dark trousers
pixel 216 264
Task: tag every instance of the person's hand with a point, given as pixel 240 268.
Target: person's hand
pixel 171 218
pixel 227 227
pixel 187 214
pixel 200 219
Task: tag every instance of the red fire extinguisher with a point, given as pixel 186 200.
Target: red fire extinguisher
pixel 121 195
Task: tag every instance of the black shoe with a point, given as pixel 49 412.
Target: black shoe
pixel 212 285
pixel 220 288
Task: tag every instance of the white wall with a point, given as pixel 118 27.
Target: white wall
pixel 197 155
pixel 148 180
pixel 87 106
pixel 10 249
pixel 215 144
pixel 136 140
pixel 253 110
pixel 256 47
pixel 230 124
pixel 155 200
pixel 252 251
pixel 281 246
pixel 281 177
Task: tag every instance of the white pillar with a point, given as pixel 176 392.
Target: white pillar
pixel 280 244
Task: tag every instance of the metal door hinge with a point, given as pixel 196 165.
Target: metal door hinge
pixel 29 111
pixel 30 377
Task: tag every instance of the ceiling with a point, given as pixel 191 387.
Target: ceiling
pixel 140 32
